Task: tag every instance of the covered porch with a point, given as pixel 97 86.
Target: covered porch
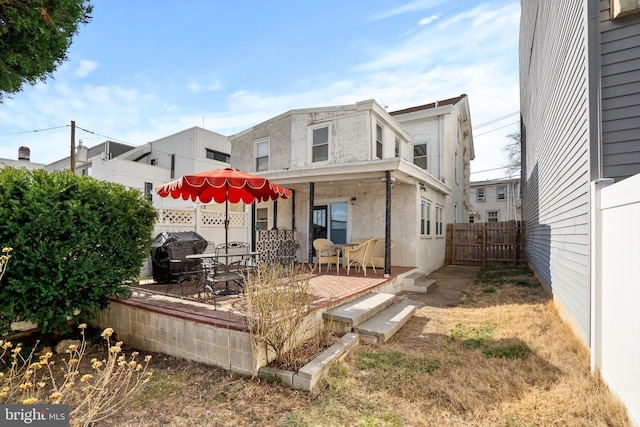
pixel 347 202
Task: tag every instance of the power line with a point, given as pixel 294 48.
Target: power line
pixel 35 130
pixel 493 130
pixel 496 120
pixel 104 136
pixel 489 170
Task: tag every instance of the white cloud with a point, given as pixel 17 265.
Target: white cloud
pixel 85 68
pixel 428 20
pixel 413 6
pixel 194 86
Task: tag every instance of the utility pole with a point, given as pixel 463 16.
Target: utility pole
pixel 73 147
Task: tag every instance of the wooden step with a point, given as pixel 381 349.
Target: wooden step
pixel 382 326
pixel 360 309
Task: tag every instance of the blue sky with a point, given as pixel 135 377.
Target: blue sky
pixel 145 69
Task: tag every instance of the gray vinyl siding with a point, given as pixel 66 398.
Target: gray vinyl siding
pixel 620 47
pixel 556 170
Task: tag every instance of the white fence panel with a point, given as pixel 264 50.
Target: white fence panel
pixel 208 223
pixel 619 344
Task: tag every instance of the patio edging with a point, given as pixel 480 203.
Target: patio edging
pixel 307 377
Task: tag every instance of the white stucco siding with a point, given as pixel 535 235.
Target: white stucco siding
pixel 351 139
pixel 430 249
pixel 278 131
pixel 427 131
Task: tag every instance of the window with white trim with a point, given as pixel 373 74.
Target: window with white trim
pixel 492 216
pixel 262 155
pixel 501 192
pixel 439 215
pixel 425 218
pixel 397 148
pixel 320 144
pixel 420 154
pixel 379 141
pixel 262 215
pixel 480 194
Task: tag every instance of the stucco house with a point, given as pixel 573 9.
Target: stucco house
pixel 580 107
pixel 358 171
pixel 495 200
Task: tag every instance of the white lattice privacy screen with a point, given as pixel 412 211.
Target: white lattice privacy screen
pixel 206 222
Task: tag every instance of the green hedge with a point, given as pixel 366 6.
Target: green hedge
pixel 76 241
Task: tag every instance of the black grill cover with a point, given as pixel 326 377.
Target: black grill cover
pixel 168 255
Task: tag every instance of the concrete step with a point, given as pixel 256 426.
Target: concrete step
pixel 417 282
pixel 360 309
pixel 382 326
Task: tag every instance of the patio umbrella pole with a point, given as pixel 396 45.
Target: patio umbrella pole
pixel 226 218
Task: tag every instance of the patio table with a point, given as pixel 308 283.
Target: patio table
pixel 340 247
pixel 227 274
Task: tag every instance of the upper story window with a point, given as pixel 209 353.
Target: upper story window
pixel 501 192
pixel 218 155
pixel 378 141
pixel 420 154
pixel 320 145
pixel 262 155
pixel 480 194
pixel 397 148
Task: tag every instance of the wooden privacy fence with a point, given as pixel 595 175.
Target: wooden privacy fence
pixel 488 243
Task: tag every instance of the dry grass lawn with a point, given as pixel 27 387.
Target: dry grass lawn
pixel 501 357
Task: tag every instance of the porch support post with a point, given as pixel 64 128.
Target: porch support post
pixel 253 226
pixel 387 227
pixel 311 203
pixel 275 215
pixel 293 210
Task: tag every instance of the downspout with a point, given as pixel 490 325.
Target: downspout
pixel 440 147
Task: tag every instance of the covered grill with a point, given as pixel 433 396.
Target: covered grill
pixel 168 255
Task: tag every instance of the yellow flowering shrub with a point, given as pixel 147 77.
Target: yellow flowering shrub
pixel 93 390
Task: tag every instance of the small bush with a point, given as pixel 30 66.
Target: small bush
pixel 76 241
pixel 277 306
